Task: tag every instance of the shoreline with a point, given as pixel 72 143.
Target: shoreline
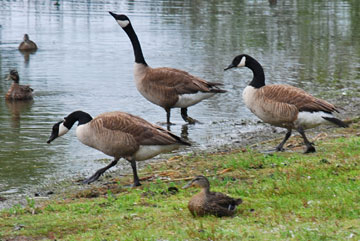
pixel 257 140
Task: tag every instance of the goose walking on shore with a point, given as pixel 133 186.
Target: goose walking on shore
pixel 284 105
pixel 119 134
pixel 166 87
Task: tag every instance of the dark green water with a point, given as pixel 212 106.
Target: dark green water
pixel 85 61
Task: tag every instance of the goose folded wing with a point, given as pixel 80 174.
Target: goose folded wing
pixel 142 131
pixel 182 82
pixel 297 97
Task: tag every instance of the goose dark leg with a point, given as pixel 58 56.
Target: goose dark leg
pixel 99 172
pixel 280 146
pixel 309 146
pixel 187 118
pixel 168 111
pixel 136 178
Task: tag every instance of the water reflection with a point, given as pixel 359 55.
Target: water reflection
pixel 15 109
pixel 26 55
pixel 85 62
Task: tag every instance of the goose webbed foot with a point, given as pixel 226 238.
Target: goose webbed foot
pixel 191 121
pixel 187 118
pixel 310 149
pixel 93 178
pixel 99 172
pixel 133 185
pixel 309 145
pixel 136 177
pixel 280 146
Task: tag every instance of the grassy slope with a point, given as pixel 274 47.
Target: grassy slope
pixel 286 196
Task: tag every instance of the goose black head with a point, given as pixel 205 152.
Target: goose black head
pixel 238 61
pixel 121 19
pixel 58 130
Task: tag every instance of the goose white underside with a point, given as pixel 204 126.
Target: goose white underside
pixel 309 120
pixel 187 100
pixel 149 151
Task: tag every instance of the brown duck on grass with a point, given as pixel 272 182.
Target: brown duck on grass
pixel 17 91
pixel 210 203
pixel 27 44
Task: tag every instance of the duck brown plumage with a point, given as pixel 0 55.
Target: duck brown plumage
pixel 210 203
pixel 27 44
pixel 17 91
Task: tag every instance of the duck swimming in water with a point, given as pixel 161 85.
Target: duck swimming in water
pixel 17 91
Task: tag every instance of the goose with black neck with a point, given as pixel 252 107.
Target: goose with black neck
pixel 284 105
pixel 166 87
pixel 120 135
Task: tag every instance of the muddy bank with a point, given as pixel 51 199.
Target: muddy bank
pixel 263 138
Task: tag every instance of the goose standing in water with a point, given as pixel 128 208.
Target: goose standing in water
pixel 27 44
pixel 17 91
pixel 166 87
pixel 284 105
pixel 119 134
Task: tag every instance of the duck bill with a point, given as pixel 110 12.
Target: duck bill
pixel 187 185
pixel 230 67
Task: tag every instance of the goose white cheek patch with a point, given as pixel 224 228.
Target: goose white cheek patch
pixel 62 129
pixel 123 23
pixel 242 62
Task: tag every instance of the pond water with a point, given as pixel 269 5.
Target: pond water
pixel 85 62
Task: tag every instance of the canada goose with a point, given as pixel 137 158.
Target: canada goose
pixel 206 202
pixel 27 44
pixel 16 91
pixel 119 134
pixel 284 105
pixel 166 87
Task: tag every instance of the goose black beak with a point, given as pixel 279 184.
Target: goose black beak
pixel 51 138
pixel 113 14
pixel 229 67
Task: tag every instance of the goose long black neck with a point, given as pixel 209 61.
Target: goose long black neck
pixel 80 116
pixel 139 57
pixel 258 71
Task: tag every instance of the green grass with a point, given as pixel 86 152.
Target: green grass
pixel 287 196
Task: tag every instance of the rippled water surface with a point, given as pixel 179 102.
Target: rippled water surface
pixel 85 61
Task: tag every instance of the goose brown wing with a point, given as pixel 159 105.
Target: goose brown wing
pixel 294 96
pixel 143 132
pixel 180 81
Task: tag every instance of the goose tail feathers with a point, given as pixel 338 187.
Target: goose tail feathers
pixel 336 121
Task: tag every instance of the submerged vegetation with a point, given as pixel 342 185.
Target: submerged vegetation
pixel 285 196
